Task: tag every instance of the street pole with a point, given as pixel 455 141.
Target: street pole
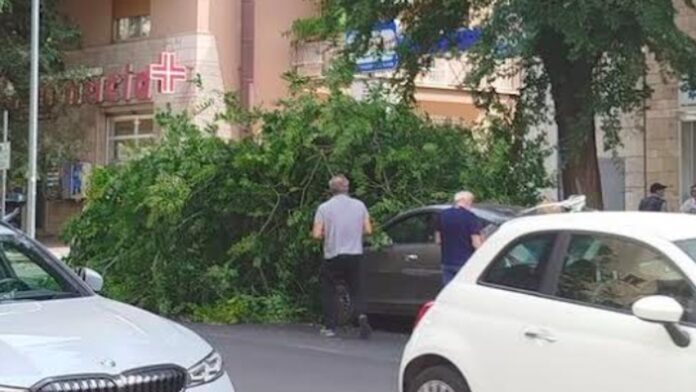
pixel 3 188
pixel 33 120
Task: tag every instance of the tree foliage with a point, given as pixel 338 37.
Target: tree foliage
pixel 220 229
pixel 57 36
pixel 589 54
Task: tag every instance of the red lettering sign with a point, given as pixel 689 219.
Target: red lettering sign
pixel 143 89
pixel 71 94
pixel 113 88
pixel 117 87
pixel 91 92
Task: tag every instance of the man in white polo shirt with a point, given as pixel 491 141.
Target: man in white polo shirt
pixel 341 223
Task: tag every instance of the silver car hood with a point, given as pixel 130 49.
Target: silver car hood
pixel 86 336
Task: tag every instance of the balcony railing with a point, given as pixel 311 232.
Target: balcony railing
pixel 313 59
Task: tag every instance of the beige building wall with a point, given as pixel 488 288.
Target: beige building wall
pixel 172 17
pixel 448 104
pixel 169 17
pixel 652 138
pixel 204 34
pixel 225 25
pixel 273 52
pixel 93 17
pixel 663 154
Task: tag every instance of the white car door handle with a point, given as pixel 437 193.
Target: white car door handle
pixel 411 257
pixel 540 335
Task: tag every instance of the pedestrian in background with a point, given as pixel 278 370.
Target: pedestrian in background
pixel 689 206
pixel 341 223
pixel 459 235
pixel 655 201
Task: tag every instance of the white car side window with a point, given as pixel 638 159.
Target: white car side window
pixel 614 273
pixel 521 265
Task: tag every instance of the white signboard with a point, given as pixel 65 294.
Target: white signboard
pixel 687 98
pixel 385 36
pixel 5 156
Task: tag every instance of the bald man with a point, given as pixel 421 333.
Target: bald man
pixel 459 235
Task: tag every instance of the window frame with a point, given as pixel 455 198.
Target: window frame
pixel 547 285
pixel 47 261
pixel 554 268
pixel 557 270
pixel 34 258
pixel 115 36
pixel 402 219
pixel 111 138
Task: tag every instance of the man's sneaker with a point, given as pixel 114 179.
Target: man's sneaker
pixel 327 333
pixel 365 328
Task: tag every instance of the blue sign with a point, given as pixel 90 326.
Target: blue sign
pixel 463 39
pixel 74 176
pixel 381 54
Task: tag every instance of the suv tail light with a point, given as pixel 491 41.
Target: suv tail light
pixel 423 311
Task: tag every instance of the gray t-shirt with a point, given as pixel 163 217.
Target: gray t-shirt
pixel 343 218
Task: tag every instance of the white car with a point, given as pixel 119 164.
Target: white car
pixel 601 302
pixel 57 335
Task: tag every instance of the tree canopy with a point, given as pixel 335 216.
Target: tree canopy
pixel 589 55
pixel 57 36
pixel 241 210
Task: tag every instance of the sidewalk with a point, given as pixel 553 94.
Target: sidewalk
pixel 55 246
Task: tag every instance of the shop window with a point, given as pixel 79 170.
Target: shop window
pixel 128 136
pixel 131 19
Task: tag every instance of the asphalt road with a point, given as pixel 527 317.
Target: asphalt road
pixel 297 359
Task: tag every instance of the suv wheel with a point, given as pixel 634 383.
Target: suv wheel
pixel 438 379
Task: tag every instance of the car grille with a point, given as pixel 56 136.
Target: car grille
pixel 153 379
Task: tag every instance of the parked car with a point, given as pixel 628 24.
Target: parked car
pixel 403 274
pixel 581 302
pixel 58 335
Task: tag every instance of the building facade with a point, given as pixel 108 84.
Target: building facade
pixel 147 55
pixel 660 141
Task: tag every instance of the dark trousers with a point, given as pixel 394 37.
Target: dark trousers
pixel 340 269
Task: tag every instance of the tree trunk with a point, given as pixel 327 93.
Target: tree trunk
pixel 577 146
pixel 571 89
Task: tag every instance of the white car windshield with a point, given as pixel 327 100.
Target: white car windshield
pixel 25 275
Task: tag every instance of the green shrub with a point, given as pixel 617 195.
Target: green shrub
pixel 273 308
pixel 219 230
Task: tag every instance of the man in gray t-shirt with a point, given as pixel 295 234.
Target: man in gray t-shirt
pixel 341 223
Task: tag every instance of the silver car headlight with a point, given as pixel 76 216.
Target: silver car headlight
pixel 205 371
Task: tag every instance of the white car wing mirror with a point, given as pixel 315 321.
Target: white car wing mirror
pixel 663 310
pixel 658 309
pixel 93 279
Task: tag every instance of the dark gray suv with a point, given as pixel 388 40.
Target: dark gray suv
pixel 404 273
